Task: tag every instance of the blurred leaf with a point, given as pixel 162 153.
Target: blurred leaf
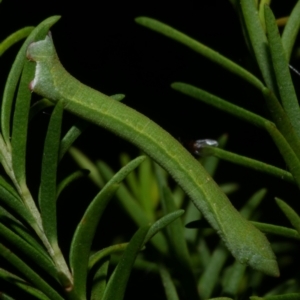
pixel 291 30
pixel 168 284
pixel 290 214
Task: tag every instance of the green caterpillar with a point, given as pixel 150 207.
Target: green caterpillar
pixel 246 243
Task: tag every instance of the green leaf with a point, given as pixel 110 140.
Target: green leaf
pixel 175 235
pixel 14 38
pixel 286 151
pixel 83 237
pixel 277 230
pixel 248 163
pixel 211 274
pixel 84 234
pixel 12 80
pixel 116 286
pixel 99 255
pixel 28 273
pixel 291 30
pixel 162 223
pixel 70 137
pixel 133 208
pixel 284 81
pixel 99 281
pixel 85 163
pixel 199 48
pixel 258 42
pixel 219 103
pixel 19 283
pixel 20 124
pixel 147 188
pixel 47 193
pixel 233 278
pixel 35 255
pixel 282 120
pixel 11 199
pixel 70 179
pixel 290 214
pixel 168 284
pixel 254 201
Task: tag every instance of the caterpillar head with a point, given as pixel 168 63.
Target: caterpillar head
pixel 43 50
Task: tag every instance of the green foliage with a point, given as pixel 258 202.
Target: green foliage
pixel 188 264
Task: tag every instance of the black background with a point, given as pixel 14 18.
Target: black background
pixel 101 45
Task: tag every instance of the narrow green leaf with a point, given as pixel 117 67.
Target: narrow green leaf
pixel 248 163
pixel 19 283
pixel 116 286
pixel 284 81
pixel 99 281
pixel 36 256
pixel 254 201
pixel 101 254
pixel 286 151
pixel 282 120
pixel 40 31
pixel 70 137
pixel 14 38
pixel 17 227
pixel 162 223
pixel 175 235
pixel 232 279
pixel 291 30
pixel 28 273
pixel 148 189
pixel 39 106
pixel 47 193
pixel 83 238
pixel 20 124
pixel 290 214
pixel 211 274
pixel 258 42
pixel 132 179
pixel 277 230
pixel 200 48
pixel 84 234
pixel 9 197
pixel 168 284
pixel 70 179
pixel 85 163
pixel 219 103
